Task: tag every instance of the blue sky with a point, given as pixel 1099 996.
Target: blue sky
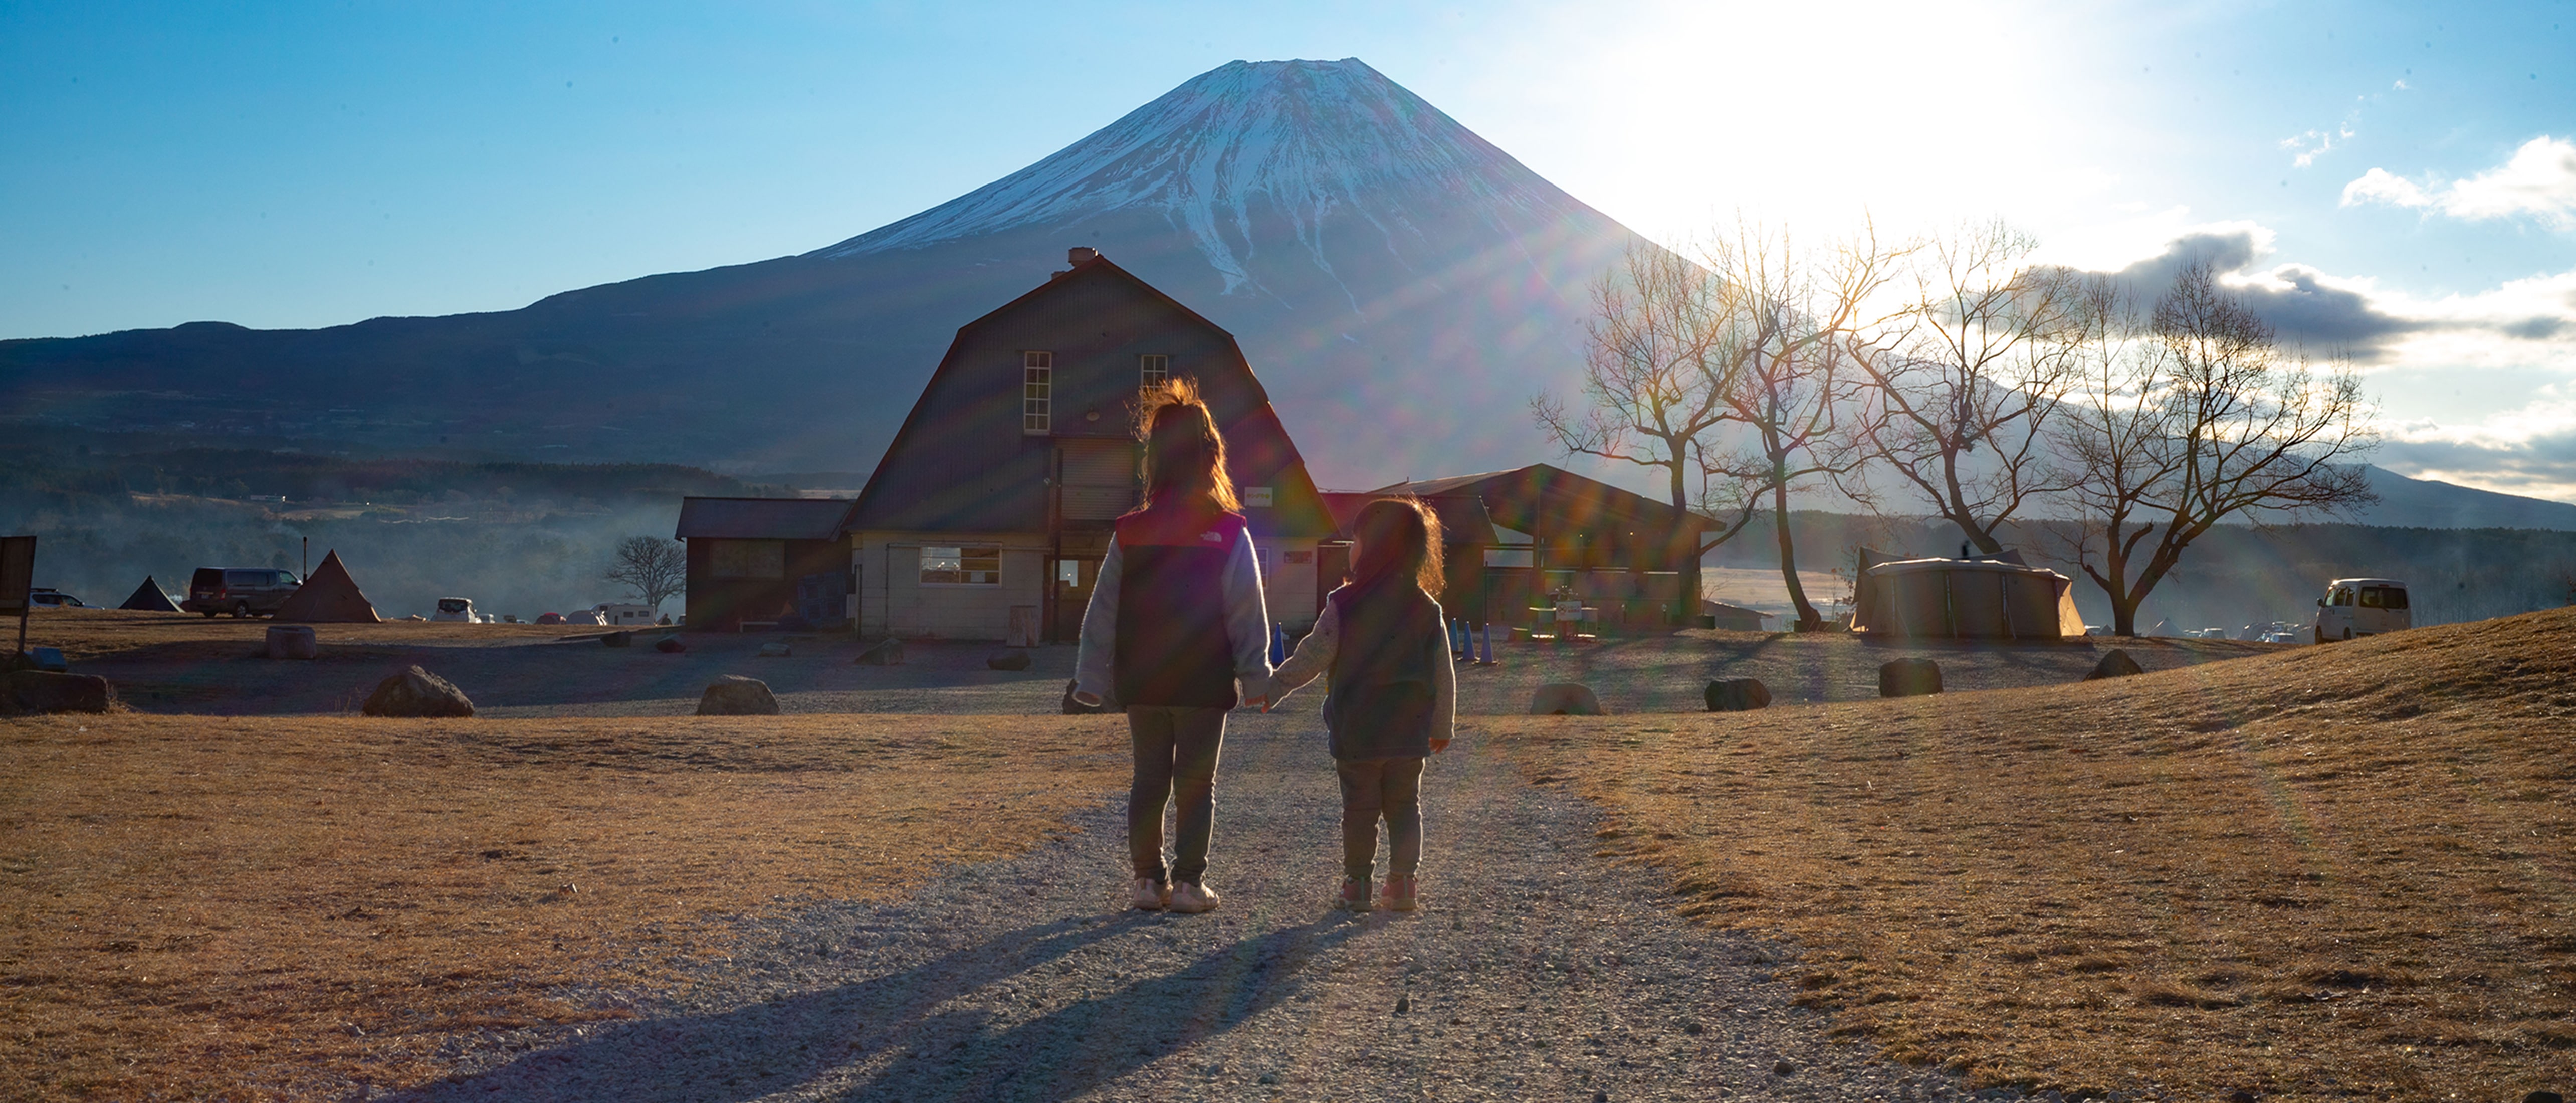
pixel 2406 172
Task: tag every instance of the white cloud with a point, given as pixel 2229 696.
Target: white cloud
pixel 2315 143
pixel 2529 450
pixel 2539 181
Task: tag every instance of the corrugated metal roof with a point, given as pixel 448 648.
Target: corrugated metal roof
pixel 1463 519
pixel 761 518
pixel 1519 498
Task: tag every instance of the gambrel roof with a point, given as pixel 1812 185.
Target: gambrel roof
pixel 961 462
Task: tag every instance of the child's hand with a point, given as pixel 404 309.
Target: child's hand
pixel 1440 746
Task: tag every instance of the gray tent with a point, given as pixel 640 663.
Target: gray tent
pixel 1966 599
pixel 149 598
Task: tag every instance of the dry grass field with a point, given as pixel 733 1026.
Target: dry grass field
pixel 258 908
pixel 2342 872
pixel 90 633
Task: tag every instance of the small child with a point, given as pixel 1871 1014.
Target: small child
pixel 1392 696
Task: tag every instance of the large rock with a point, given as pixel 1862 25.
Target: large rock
pixel 884 652
pixel 2115 663
pixel 35 692
pixel 1564 699
pixel 417 692
pixel 670 645
pixel 735 695
pixel 1014 659
pixel 293 641
pixel 776 649
pixel 1738 695
pixel 1909 678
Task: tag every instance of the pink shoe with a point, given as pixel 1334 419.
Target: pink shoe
pixel 1355 896
pixel 1400 893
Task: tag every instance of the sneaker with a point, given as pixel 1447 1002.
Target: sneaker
pixel 1355 897
pixel 1191 899
pixel 1148 896
pixel 1399 893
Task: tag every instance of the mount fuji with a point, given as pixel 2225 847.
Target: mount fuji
pixel 1401 286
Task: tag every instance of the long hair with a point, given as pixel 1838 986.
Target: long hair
pixel 1398 536
pixel 1184 454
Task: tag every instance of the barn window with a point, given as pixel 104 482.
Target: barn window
pixel 961 566
pixel 1037 392
pixel 1153 371
pixel 748 559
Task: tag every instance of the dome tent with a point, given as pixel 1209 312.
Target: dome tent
pixel 1985 599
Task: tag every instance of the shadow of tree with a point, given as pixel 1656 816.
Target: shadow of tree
pixel 765 1048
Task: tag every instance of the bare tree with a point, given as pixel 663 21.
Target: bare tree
pixel 1661 365
pixel 655 569
pixel 1961 386
pixel 2196 417
pixel 1798 382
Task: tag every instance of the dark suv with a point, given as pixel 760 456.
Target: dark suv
pixel 241 591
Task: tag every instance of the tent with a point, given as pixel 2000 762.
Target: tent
pixel 149 598
pixel 1985 599
pixel 330 596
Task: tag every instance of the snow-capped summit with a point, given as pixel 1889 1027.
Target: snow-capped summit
pixel 1307 139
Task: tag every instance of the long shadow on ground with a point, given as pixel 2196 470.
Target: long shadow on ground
pixel 766 1048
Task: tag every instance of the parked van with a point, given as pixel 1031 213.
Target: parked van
pixel 241 591
pixel 2362 607
pixel 458 609
pixel 620 614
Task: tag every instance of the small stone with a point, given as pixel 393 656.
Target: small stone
pixel 777 649
pixel 2240 1095
pixel 735 695
pixel 1269 1078
pixel 1784 1067
pixel 2115 663
pixel 2544 1097
pixel 1564 699
pixel 1601 1097
pixel 1909 678
pixel 292 641
pixel 36 692
pixel 417 693
pixel 1738 695
pixel 1403 1004
pixel 885 652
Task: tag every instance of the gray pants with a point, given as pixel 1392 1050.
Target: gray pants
pixel 1176 754
pixel 1374 787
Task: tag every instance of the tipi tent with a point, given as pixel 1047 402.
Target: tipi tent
pixel 330 596
pixel 1985 599
pixel 150 598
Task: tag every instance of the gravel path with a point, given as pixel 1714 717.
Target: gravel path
pixel 1534 972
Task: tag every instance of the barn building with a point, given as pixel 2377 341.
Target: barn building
pixel 765 562
pixel 1627 556
pixel 992 509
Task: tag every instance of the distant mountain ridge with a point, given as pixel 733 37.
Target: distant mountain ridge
pixel 1401 285
pixel 2431 504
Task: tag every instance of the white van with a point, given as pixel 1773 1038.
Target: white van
pixel 458 609
pixel 2362 607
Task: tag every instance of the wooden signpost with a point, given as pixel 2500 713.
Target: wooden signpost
pixel 17 572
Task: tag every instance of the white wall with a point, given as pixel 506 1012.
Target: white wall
pixel 893 601
pixel 1288 588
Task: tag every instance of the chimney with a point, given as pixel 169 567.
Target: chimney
pixel 1080 253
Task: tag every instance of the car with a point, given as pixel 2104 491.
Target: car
pixel 459 610
pixel 47 597
pixel 2362 607
pixel 241 591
